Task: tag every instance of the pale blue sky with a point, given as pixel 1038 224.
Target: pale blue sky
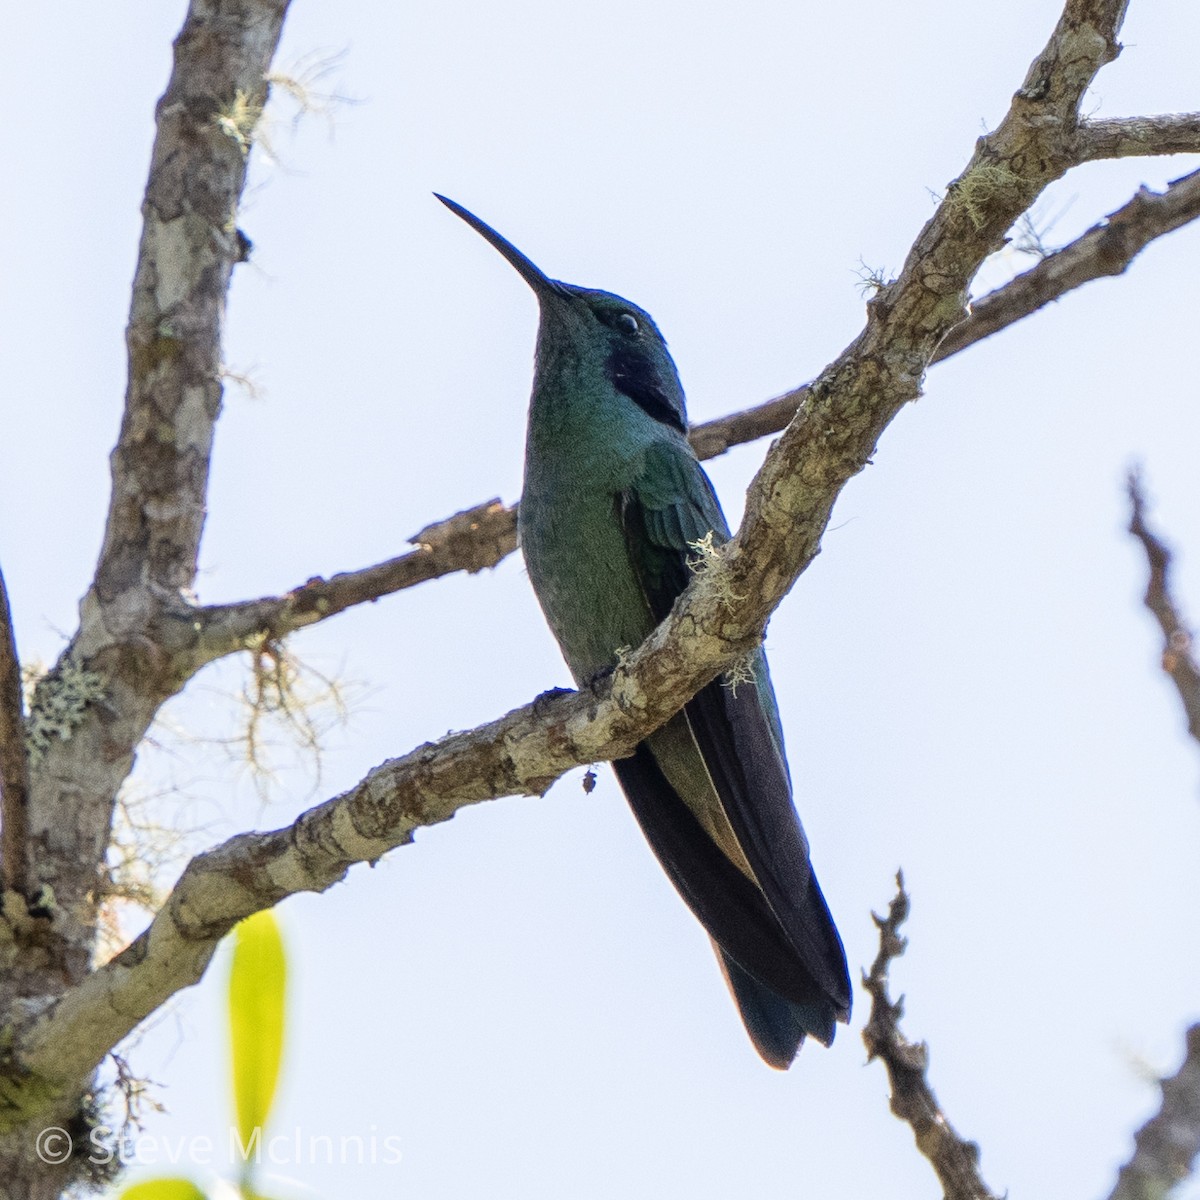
pixel 968 683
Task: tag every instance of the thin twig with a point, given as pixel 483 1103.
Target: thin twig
pixel 954 1159
pixel 1177 658
pixel 468 541
pixel 1168 1143
pixel 14 765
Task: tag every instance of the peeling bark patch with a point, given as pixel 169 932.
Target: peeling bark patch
pixel 179 242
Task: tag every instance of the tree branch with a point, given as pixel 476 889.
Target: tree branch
pixel 14 765
pixel 189 247
pixel 468 541
pixel 120 667
pixel 1129 137
pixel 1168 1143
pixel 95 706
pixel 721 615
pixel 955 1160
pixel 480 537
pixel 1177 658
pixel 520 754
pixel 1106 249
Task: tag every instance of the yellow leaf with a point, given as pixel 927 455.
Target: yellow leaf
pixel 257 983
pixel 163 1189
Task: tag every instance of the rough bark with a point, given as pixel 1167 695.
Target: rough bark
pixel 1129 137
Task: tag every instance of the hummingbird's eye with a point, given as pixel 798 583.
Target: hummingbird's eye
pixel 629 323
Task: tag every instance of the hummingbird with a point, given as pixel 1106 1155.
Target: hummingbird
pixel 614 510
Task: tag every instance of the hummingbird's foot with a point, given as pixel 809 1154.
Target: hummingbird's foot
pixel 598 677
pixel 542 703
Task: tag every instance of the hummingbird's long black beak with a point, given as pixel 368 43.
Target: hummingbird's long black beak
pixel 537 279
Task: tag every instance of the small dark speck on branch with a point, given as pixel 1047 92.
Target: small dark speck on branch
pixel 955 1160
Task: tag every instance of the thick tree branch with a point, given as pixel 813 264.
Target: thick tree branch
pixel 720 616
pixel 1178 660
pixel 119 667
pixel 1130 137
pixel 94 708
pixel 189 247
pixel 480 537
pixel 14 764
pixel 1167 1145
pixel 522 753
pixel 954 1159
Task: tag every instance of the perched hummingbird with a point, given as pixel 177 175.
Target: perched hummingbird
pixel 613 507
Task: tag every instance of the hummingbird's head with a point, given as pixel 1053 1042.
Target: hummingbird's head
pixel 597 331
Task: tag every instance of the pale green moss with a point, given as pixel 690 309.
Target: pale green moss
pixel 741 672
pixel 59 702
pixel 708 554
pixel 976 190
pixel 238 120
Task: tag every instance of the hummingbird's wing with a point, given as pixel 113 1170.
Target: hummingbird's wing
pixel 725 827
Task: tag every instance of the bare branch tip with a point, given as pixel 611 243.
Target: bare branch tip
pixel 954 1159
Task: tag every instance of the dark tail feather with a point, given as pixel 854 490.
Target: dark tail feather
pixel 776 1026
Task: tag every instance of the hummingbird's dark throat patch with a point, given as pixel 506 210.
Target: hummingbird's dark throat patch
pixel 635 376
